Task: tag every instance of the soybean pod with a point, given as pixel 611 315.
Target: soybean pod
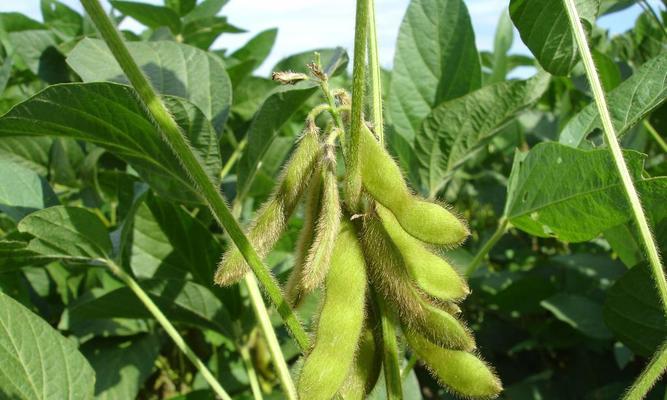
pixel 365 370
pixel 431 273
pixel 460 371
pixel 272 218
pixel 382 178
pixel 340 320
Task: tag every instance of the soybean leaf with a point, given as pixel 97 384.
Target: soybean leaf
pixel 579 312
pixel 38 49
pixel 29 152
pixel 23 191
pixel 181 301
pixel 257 48
pixel 628 104
pixel 633 313
pixel 501 46
pixel 436 60
pixel 203 32
pixel 109 115
pixel 173 68
pixel 121 365
pixel 612 6
pixel 150 15
pixel 182 7
pixel 545 28
pixel 454 129
pixel 67 232
pixel 62 19
pixel 297 62
pixel 276 110
pixel 5 73
pixel 37 362
pixel 15 254
pixel 164 241
pixel 574 195
pixel 205 9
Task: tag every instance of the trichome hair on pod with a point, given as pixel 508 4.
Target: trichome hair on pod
pixel 365 371
pixel 272 217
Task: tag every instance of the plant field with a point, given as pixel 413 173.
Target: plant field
pixel 175 225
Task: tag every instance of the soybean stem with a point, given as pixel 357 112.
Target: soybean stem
pixel 353 182
pixel 656 136
pixel 648 378
pixel 168 327
pixel 252 374
pixel 271 339
pixel 375 74
pixel 615 149
pixel 503 225
pixel 233 158
pixel 390 361
pixel 171 132
pixel 409 366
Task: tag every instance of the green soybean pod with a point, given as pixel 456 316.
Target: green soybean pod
pixel 294 292
pixel 272 217
pixel 430 273
pixel 389 275
pixel 460 371
pixel 365 370
pixel 340 320
pixel 382 178
pixel 318 259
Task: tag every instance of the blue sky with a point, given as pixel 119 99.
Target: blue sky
pixel 307 24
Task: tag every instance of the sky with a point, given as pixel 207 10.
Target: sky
pixel 307 24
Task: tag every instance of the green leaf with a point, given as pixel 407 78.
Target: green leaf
pixel 456 128
pixel 37 362
pixel 182 7
pixel 67 232
pixel 5 73
pixel 181 301
pixel 579 312
pixel 633 311
pixel 501 46
pixel 436 60
pixel 276 110
pixel 257 48
pixel 29 152
pixel 545 28
pixel 150 15
pixel 574 195
pixel 121 365
pixel 164 241
pixel 628 104
pixel 205 9
pixel 109 115
pixel 173 69
pixel 15 254
pixel 39 51
pixel 22 191
pixel 297 62
pixel 203 32
pixel 62 19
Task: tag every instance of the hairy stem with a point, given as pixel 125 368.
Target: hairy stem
pixel 375 74
pixel 656 136
pixel 390 361
pixel 503 225
pixel 169 328
pixel 409 366
pixel 353 181
pixel 271 339
pixel 233 158
pixel 648 378
pixel 171 133
pixel 615 148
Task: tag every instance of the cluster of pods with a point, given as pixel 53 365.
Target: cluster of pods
pixel 389 250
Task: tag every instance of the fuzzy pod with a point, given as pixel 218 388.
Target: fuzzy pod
pixel 272 217
pixel 294 292
pixel 340 320
pixel 431 273
pixel 318 259
pixel 382 178
pixel 389 275
pixel 462 372
pixel 365 370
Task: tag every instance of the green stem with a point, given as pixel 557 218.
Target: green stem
pixel 169 328
pixel 353 182
pixel 252 374
pixel 209 191
pixel 375 74
pixel 271 339
pixel 655 135
pixel 390 362
pixel 648 378
pixel 233 158
pixel 615 148
pixel 503 225
pixel 409 366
